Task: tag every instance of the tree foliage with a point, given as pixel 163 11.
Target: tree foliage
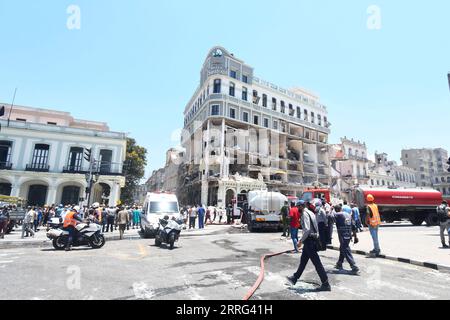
pixel 134 169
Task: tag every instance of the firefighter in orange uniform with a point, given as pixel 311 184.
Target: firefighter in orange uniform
pixel 373 220
pixel 70 222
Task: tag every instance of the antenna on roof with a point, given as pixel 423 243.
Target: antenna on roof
pixel 12 106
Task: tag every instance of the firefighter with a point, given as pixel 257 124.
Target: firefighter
pixel 373 220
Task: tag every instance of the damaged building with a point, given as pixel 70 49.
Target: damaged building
pixel 242 133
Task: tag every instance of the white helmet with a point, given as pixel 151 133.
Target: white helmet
pixel 76 208
pixel 96 205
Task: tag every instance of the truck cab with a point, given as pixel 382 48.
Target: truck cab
pixel 311 194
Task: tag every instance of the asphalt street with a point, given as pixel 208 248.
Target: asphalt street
pixel 222 265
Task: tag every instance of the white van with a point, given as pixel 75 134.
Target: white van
pixel 156 206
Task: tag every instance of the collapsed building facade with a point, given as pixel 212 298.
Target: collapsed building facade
pixel 242 134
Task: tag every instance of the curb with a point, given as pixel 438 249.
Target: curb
pixel 428 265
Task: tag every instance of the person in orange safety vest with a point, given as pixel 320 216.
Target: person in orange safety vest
pixel 373 220
pixel 70 222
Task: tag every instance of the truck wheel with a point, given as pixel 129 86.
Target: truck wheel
pixel 250 227
pixel 417 221
pixel 157 243
pixel 432 220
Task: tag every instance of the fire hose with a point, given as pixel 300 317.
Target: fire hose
pixel 262 272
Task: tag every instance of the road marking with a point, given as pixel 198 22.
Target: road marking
pixel 143 250
pixel 5 262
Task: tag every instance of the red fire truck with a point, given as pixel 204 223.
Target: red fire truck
pixel 415 205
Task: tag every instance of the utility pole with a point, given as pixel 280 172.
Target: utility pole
pixel 12 106
pixel 90 175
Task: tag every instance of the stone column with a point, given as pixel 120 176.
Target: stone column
pixel 51 195
pixel 115 194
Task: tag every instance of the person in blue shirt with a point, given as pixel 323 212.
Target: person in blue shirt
pixel 201 217
pixel 357 217
pixel 346 229
pixel 346 208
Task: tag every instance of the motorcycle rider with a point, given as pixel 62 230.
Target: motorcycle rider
pixel 71 220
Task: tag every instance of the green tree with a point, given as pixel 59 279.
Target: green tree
pixel 134 169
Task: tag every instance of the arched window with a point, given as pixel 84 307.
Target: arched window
pixel 217 86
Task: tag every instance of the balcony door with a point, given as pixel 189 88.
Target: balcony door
pixel 75 159
pixel 105 161
pixel 5 153
pixel 40 156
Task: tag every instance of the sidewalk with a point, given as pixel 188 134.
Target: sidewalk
pixel 406 243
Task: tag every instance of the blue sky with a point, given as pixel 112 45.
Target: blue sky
pixel 135 64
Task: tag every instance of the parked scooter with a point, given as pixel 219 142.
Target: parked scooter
pixel 168 232
pixel 87 234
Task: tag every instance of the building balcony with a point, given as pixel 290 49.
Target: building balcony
pixel 5 166
pixel 74 170
pixel 37 167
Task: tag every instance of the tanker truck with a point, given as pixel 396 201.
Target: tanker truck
pixel 264 210
pixel 415 205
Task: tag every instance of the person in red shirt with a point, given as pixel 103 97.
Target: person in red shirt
pixel 294 215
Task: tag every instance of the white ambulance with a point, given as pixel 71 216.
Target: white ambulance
pixel 157 206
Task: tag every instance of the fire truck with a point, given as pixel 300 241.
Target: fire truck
pixel 415 205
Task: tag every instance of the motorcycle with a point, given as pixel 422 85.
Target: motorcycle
pixel 168 232
pixel 87 234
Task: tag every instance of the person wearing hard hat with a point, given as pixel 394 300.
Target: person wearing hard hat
pixel 373 220
pixel 71 219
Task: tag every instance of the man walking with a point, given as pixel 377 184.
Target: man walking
pixel 201 217
pixel 443 212
pixel 357 217
pixel 373 220
pixel 294 216
pixel 309 240
pixel 28 222
pixel 322 221
pixel 346 227
pixel 4 220
pixel 285 218
pixel 192 217
pixel 123 218
pixel 111 217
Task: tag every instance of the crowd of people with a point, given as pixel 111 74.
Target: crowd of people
pixel 36 218
pixel 317 219
pixel 200 215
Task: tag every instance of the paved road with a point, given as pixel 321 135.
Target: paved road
pixel 219 266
